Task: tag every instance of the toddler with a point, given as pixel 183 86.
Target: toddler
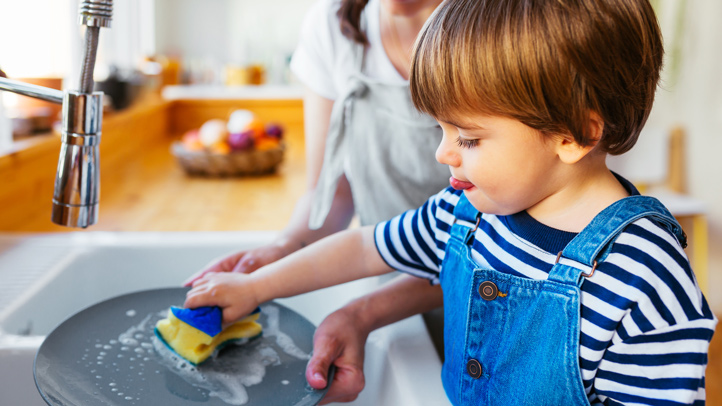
pixel 562 285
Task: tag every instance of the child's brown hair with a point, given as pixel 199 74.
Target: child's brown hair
pixel 546 63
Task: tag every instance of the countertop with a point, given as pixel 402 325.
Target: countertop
pixel 151 192
pixel 142 187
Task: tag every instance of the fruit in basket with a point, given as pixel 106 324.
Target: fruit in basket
pixel 257 128
pixel 239 120
pixel 213 132
pixel 242 132
pixel 220 147
pixel 274 130
pixel 266 143
pixel 241 141
pixel 243 145
pixel 191 141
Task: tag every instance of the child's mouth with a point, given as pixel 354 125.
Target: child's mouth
pixel 460 185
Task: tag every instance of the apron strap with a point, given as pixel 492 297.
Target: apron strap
pixel 593 243
pixel 334 155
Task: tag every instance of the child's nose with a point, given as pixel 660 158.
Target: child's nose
pixel 445 153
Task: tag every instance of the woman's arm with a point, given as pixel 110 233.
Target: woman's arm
pixel 317 114
pixel 341 338
pixel 340 258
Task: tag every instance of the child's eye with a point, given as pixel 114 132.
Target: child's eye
pixel 463 143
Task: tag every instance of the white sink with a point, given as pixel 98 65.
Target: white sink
pixel 46 278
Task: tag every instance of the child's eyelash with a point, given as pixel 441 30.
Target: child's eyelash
pixel 466 143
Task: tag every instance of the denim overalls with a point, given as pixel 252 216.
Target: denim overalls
pixel 515 341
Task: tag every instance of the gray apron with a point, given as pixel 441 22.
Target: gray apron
pixel 384 146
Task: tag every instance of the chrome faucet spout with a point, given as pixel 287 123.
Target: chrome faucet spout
pixel 77 183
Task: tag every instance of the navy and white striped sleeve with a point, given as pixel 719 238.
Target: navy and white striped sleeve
pixel 660 367
pixel 658 349
pixel 414 242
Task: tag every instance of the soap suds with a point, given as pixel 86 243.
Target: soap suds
pixel 226 377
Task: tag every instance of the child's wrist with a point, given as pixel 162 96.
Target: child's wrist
pixel 258 289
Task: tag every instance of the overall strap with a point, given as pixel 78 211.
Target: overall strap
pixel 466 220
pixel 593 243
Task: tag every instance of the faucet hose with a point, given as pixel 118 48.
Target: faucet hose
pixel 91 49
pixel 93 14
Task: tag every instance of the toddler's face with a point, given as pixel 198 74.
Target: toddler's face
pixel 503 166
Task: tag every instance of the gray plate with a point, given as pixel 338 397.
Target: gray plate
pixel 107 354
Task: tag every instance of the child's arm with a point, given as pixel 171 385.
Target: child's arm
pixel 343 257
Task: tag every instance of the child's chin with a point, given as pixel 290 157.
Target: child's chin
pixel 483 205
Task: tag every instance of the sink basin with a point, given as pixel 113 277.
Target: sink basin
pixel 46 278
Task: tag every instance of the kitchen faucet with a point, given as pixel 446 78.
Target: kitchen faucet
pixel 77 182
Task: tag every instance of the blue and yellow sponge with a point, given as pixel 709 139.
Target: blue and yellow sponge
pixel 195 334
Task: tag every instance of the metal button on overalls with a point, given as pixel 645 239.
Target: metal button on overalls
pixel 488 290
pixel 473 368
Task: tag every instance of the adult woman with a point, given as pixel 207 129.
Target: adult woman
pixel 354 59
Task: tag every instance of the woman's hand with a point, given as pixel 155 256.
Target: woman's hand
pixel 338 341
pixel 231 291
pixel 243 261
pixel 341 338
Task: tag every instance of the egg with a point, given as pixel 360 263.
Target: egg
pixel 239 120
pixel 213 132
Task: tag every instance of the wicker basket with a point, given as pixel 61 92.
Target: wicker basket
pixel 239 163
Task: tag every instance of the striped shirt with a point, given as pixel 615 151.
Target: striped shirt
pixel 645 326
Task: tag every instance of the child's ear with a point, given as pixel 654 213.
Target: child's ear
pixel 570 151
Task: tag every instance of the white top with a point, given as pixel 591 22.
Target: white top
pixel 323 52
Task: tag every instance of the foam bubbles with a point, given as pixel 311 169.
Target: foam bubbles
pixel 140 355
pixel 228 376
pixel 283 340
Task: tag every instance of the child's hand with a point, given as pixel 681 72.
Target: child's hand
pixel 232 292
pixel 242 261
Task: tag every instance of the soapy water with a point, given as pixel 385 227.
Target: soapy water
pixel 137 353
pixel 223 377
